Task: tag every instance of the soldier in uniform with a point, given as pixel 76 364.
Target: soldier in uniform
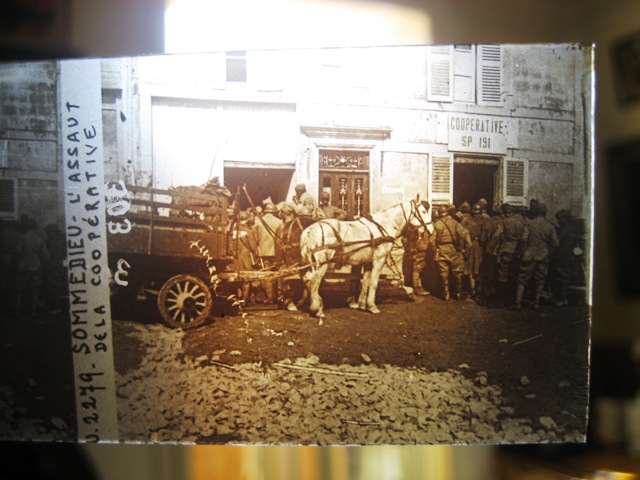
pixel 475 224
pixel 264 234
pixel 309 205
pixel 418 246
pixel 243 251
pixel 464 212
pixel 300 197
pixel 451 240
pixel 330 211
pixel 504 244
pixel 540 240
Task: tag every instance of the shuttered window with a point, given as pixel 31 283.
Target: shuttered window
pixel 8 198
pixel 440 73
pixel 490 82
pixel 441 179
pixel 464 73
pixel 515 181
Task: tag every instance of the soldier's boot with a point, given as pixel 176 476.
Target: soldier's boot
pixel 472 286
pixel 445 289
pixel 519 293
pixel 417 285
pixel 457 280
pixel 538 294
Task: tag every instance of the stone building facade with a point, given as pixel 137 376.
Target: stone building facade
pixel 508 123
pixel 29 143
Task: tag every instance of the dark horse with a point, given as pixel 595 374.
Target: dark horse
pixel 288 255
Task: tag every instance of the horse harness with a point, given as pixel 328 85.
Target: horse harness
pixel 373 241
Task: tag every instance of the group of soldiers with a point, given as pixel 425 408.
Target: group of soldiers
pixel 497 259
pixel 260 236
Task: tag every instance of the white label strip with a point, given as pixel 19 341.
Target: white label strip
pixel 88 272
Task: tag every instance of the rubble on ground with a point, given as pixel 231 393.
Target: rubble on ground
pixel 169 397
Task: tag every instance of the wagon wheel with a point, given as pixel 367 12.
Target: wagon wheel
pixel 185 301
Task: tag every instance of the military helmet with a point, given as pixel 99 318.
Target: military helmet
pixel 270 208
pixel 244 217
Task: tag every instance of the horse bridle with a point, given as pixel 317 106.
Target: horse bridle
pixel 414 213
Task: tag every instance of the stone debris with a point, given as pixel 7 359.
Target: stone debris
pixel 547 422
pixel 303 401
pixel 14 418
pixel 524 380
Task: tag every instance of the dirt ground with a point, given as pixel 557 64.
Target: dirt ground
pixel 539 358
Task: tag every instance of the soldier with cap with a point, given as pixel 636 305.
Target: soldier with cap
pixel 452 240
pixel 330 211
pixel 264 235
pixel 476 226
pixel 540 240
pixel 419 241
pixel 482 203
pixel 298 199
pixel 504 244
pixel 464 212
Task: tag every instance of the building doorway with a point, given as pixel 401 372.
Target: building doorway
pixel 262 183
pixel 475 178
pixel 345 175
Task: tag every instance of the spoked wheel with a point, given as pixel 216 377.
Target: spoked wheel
pixel 185 301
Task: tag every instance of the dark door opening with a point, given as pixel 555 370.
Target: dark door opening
pixel 473 181
pixel 261 183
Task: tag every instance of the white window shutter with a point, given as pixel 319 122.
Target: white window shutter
pixel 8 198
pixel 490 75
pixel 441 179
pixel 464 73
pixel 440 73
pixel 516 181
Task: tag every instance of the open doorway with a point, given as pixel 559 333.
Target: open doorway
pixel 261 183
pixel 475 178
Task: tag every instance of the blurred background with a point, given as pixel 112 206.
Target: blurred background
pixel 32 29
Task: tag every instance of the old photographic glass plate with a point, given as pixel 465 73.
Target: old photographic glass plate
pixel 140 304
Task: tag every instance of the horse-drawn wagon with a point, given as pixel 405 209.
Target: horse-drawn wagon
pixel 169 244
pixel 178 246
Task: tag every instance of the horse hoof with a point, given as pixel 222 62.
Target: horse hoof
pixel 354 305
pixel 374 310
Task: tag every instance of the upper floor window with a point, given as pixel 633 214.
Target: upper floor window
pixel 465 73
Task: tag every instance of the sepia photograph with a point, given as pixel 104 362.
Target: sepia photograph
pixel 331 246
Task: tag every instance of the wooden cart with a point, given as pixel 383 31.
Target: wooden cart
pixel 169 243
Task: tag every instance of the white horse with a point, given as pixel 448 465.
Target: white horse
pixel 366 241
